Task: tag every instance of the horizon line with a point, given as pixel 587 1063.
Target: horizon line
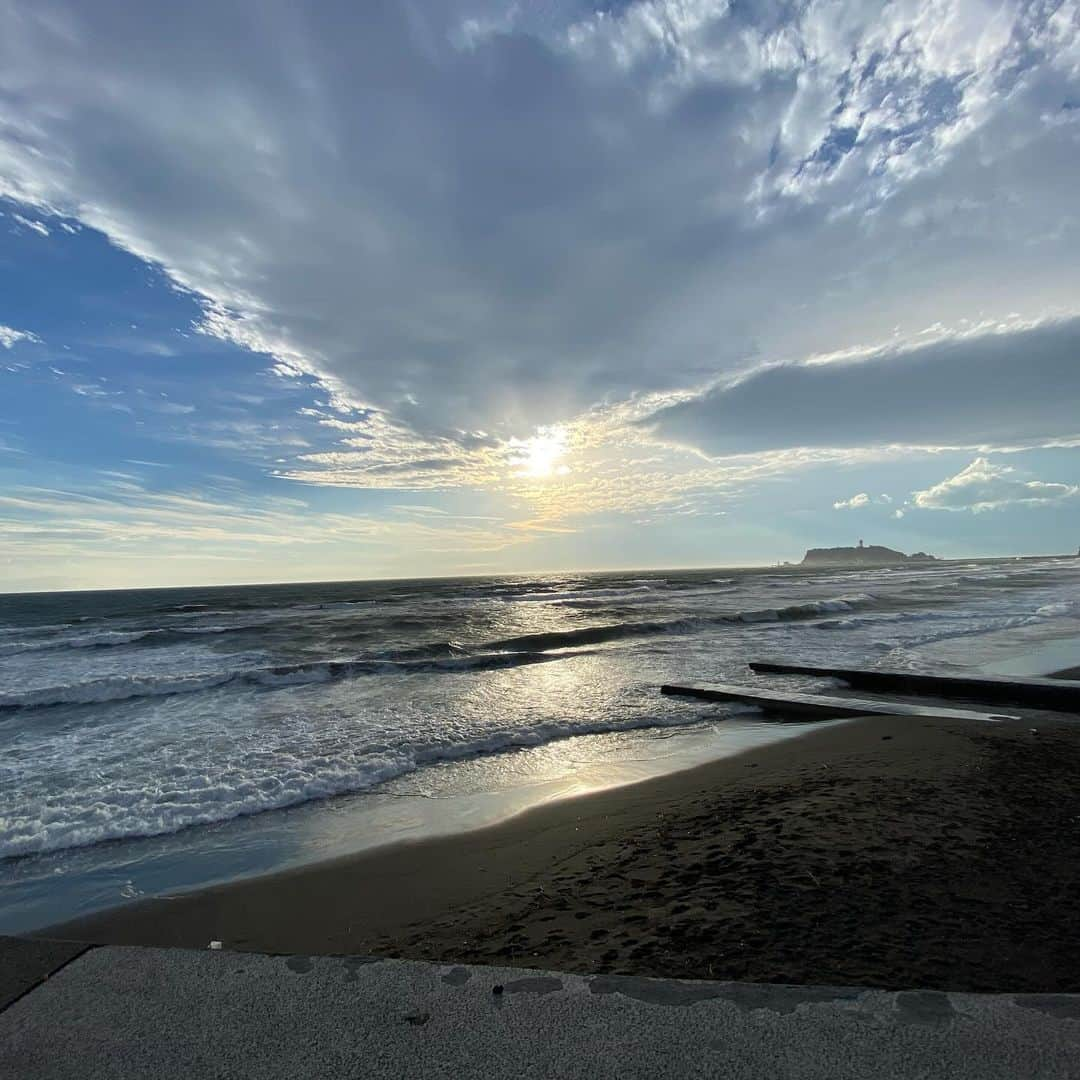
pixel 519 573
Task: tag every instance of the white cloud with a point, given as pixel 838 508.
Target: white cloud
pixel 120 518
pixel 10 336
pixel 856 502
pixel 985 485
pixel 32 224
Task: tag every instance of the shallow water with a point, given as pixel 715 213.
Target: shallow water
pixel 162 739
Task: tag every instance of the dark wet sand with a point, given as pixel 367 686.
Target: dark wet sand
pixel 886 851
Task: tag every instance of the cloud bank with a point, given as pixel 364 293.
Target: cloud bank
pixel 1010 388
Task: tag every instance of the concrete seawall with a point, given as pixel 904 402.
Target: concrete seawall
pixel 86 1013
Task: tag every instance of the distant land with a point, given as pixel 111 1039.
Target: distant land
pixel 874 555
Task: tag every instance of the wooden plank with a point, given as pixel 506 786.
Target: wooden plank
pixel 1037 693
pixel 821 707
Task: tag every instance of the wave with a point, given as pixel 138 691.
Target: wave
pixel 982 624
pixel 170 806
pixel 111 639
pixel 598 635
pixel 883 618
pixel 958 624
pixel 9 648
pixel 585 635
pixel 810 610
pixel 126 687
pixel 450 656
pixel 37 628
pixel 1058 609
pixel 630 590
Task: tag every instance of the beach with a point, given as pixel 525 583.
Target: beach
pixel 884 852
pixel 163 741
pixel 484 770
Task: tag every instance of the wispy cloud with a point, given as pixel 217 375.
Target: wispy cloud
pixel 33 225
pixel 9 336
pixel 124 519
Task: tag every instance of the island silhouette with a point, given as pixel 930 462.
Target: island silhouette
pixel 862 555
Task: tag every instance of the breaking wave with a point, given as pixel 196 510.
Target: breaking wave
pixel 441 657
pixel 598 635
pixel 252 787
pixel 111 639
pixel 125 687
pixel 240 743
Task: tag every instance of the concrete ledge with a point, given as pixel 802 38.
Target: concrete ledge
pixel 25 962
pixel 127 1012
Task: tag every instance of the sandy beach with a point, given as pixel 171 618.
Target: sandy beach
pixel 886 851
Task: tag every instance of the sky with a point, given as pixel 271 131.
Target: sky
pixel 411 288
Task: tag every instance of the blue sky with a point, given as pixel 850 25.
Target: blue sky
pixel 404 288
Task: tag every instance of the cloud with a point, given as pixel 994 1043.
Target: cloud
pixel 10 336
pixel 985 485
pixel 863 499
pixel 489 217
pixel 122 518
pixel 1014 387
pixel 30 223
pixel 857 502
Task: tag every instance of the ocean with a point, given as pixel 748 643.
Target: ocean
pixel 157 740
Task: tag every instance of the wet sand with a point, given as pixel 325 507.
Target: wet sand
pixel 886 851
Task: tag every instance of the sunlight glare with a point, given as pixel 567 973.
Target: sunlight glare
pixel 538 456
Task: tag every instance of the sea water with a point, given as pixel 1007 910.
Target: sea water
pixel 155 740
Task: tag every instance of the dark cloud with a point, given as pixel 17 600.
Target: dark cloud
pixel 995 389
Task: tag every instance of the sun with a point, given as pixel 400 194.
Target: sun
pixel 539 456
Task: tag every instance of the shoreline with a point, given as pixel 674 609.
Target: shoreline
pixel 885 851
pixel 322 831
pixel 419 853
